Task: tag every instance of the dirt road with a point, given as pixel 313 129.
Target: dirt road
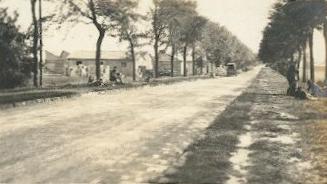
pixel 117 137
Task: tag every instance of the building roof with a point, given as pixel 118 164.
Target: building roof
pixel 51 57
pixel 105 55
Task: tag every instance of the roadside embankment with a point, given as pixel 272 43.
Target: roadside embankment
pixel 23 97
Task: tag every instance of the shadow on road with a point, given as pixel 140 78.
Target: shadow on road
pixel 207 159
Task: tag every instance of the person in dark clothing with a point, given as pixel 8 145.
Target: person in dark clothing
pixel 116 77
pixel 301 94
pixel 113 75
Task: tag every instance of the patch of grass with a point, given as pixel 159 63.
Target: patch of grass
pixel 316 135
pixel 319 105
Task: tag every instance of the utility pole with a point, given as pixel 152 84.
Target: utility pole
pixel 312 62
pixel 35 43
pixel 41 42
pixel 325 38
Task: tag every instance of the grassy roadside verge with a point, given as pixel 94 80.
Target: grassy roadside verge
pixel 33 95
pixel 316 140
pixel 8 97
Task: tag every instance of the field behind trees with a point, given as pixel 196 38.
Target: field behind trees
pixel 320 72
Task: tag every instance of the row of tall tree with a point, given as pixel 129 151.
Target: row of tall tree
pixel 290 33
pixel 175 27
pixel 221 47
pixel 178 27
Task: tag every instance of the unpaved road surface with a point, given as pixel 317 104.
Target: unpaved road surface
pixel 134 136
pixel 216 131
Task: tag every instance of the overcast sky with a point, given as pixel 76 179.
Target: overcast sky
pixel 245 18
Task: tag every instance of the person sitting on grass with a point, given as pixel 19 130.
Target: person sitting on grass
pixel 315 90
pixel 301 94
pixel 93 82
pixel 98 83
pixel 115 76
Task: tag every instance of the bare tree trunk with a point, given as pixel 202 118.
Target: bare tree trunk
pixel 201 65
pixel 209 65
pixel 98 54
pixel 156 33
pixel 41 43
pixel 35 43
pixel 298 63
pixel 156 58
pixel 312 62
pixel 102 32
pixel 212 72
pixel 304 77
pixel 193 60
pixel 184 59
pixel 133 59
pixel 172 60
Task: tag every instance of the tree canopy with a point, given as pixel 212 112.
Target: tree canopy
pixel 13 52
pixel 222 47
pixel 291 26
